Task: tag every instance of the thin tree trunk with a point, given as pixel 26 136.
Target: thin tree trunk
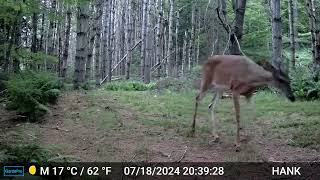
pixel 292 31
pixel 148 56
pixel 66 44
pixel 276 34
pixel 34 32
pixel 184 53
pixel 91 36
pixel 192 40
pixel 315 37
pixel 143 36
pixel 170 59
pixel 128 38
pixel 198 38
pixel 177 43
pixel 51 30
pixel 106 37
pixel 123 40
pixel 42 32
pixel 98 25
pixel 158 37
pixel 111 40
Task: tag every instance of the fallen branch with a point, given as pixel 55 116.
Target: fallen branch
pixel 56 128
pixel 155 67
pixel 124 57
pixel 225 25
pixel 184 154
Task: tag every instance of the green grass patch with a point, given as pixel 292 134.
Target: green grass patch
pixel 128 86
pixel 103 118
pixel 297 123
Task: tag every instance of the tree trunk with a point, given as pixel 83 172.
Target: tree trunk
pixel 170 59
pixel 198 39
pixel 148 56
pixel 128 38
pixel 177 43
pixel 91 36
pixel 315 36
pixel 184 53
pixel 41 47
pixel 122 40
pixel 82 28
pixel 106 37
pixel 158 37
pixel 276 34
pixel 239 7
pixel 192 38
pixel 98 26
pixel 111 40
pixel 34 32
pixel 292 31
pixel 143 36
pixel 51 30
pixel 66 45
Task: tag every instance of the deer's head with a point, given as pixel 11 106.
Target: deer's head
pixel 281 80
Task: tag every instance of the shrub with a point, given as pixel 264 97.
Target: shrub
pixel 128 86
pixel 29 92
pixel 3 78
pixel 24 153
pixel 303 84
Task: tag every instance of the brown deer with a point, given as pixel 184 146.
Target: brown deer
pixel 241 76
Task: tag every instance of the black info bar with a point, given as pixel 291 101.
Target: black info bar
pixel 167 170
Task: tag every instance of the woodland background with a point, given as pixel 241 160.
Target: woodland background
pixel 147 54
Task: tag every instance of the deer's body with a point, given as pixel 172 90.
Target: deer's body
pixel 238 74
pixel 235 73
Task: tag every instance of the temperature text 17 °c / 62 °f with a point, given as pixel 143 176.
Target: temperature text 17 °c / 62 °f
pixel 75 171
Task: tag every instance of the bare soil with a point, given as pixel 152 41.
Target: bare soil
pixel 70 135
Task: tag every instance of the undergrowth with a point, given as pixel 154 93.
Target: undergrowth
pixel 29 93
pixel 128 86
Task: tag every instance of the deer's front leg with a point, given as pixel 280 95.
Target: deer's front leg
pixel 214 120
pixel 237 109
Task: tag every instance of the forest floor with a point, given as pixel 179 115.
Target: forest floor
pixel 101 125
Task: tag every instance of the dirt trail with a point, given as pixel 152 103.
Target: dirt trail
pixel 75 137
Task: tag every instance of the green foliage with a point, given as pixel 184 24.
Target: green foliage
pixel 3 78
pixel 24 153
pixel 29 92
pixel 128 86
pixel 34 58
pixel 303 84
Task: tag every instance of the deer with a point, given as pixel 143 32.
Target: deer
pixel 241 76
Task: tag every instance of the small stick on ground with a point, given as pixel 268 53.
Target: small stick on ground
pixel 184 154
pixel 56 128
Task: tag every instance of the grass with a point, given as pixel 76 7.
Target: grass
pixel 297 123
pixel 21 146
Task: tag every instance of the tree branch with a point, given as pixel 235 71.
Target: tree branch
pixel 124 57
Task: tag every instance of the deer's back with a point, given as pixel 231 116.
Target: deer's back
pixel 223 70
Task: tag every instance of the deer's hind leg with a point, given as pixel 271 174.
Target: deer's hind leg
pixel 237 109
pixel 216 97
